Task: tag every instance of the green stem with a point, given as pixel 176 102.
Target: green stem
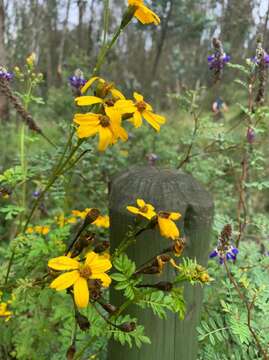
pixel 59 170
pixel 105 50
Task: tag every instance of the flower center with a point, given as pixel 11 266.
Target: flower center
pixel 110 102
pixel 144 209
pixel 85 271
pixel 104 120
pixel 141 106
pixel 164 214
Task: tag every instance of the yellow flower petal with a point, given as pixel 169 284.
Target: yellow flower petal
pixel 88 100
pixel 91 257
pixel 168 228
pixel 65 280
pixel 86 131
pixel 125 106
pixel 138 97
pixel 105 138
pixel 88 84
pixel 81 293
pixel 132 209
pixel 122 133
pixel 117 94
pixel 141 203
pixel 113 114
pixel 160 119
pixel 137 119
pixel 150 119
pixel 106 280
pixel 146 16
pixel 63 263
pixel 100 265
pixel 86 119
pixel 174 216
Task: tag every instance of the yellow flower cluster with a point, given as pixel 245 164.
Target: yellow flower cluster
pixel 42 230
pixel 4 312
pixel 165 219
pixel 80 275
pixel 109 108
pixel 31 59
pixel 61 220
pixel 101 221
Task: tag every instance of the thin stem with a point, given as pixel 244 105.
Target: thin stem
pixel 249 307
pixel 105 50
pixel 59 170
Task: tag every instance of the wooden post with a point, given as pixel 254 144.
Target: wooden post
pixel 170 190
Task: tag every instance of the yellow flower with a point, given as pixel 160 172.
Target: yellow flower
pixel 167 226
pixel 43 230
pixel 101 221
pixel 31 59
pixel 106 88
pixel 29 230
pixel 94 267
pixel 144 14
pixel 4 312
pixel 108 126
pixel 146 210
pixel 140 109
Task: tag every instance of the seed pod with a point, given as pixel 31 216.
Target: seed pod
pixel 111 309
pixel 71 352
pixel 164 286
pixel 82 243
pixel 128 327
pixel 101 247
pixel 91 216
pixel 82 321
pixel 150 270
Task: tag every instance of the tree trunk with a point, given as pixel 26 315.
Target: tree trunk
pixel 62 43
pixel 81 11
pixel 3 61
pixel 161 42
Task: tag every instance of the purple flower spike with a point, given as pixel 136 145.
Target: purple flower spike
pixel 214 253
pixel 217 61
pixel 250 135
pixel 225 250
pixel 235 251
pixel 76 82
pixel 4 74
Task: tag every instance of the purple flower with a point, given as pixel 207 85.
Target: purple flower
pixel 229 254
pixel 4 74
pixel 256 60
pixel 250 135
pixel 225 250
pixel 152 158
pixel 218 60
pixel 36 194
pixel 77 81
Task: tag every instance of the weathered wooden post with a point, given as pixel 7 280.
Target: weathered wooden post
pixel 170 190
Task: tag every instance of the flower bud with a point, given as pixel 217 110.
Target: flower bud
pixel 71 352
pixel 111 309
pixel 101 247
pixel 82 321
pixel 164 286
pixel 127 327
pixel 91 216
